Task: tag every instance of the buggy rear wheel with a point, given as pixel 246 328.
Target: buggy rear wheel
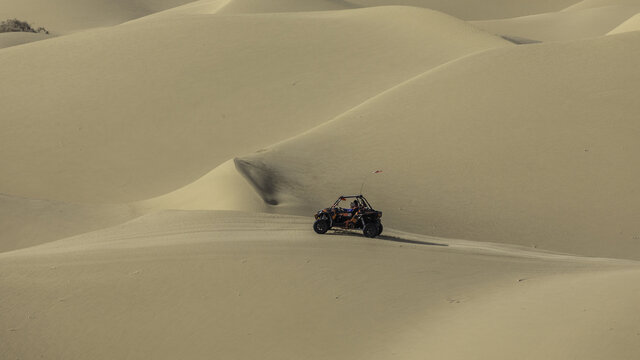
pixel 370 230
pixel 321 226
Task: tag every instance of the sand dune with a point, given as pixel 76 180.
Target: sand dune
pixel 19 38
pixel 237 285
pixel 29 222
pixel 459 8
pixel 478 10
pixel 633 24
pixel 595 306
pixel 201 7
pixel 564 25
pixel 223 188
pixel 544 157
pixel 106 126
pixel 259 6
pixel 64 16
pixel 500 163
pixel 231 7
pixel 590 4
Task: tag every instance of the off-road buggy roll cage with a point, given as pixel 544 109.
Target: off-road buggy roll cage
pixel 361 216
pixel 362 199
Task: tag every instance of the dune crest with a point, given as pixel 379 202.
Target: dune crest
pixel 201 7
pixel 570 24
pixel 633 24
pixel 274 6
pixel 590 4
pixel 478 10
pixel 223 188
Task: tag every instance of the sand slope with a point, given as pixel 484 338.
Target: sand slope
pixel 590 4
pixel 19 38
pixel 564 25
pixel 585 316
pixel 633 24
pixel 258 6
pixel 505 152
pixel 117 105
pixel 29 222
pixel 237 285
pixel 478 10
pixel 64 16
pixel 542 157
pixel 223 188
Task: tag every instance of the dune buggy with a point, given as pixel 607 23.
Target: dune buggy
pixel 360 215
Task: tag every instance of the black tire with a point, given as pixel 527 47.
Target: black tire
pixel 321 226
pixel 380 227
pixel 370 230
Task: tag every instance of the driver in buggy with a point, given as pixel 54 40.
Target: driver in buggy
pixel 355 206
pixel 351 213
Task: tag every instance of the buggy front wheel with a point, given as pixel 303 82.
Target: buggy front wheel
pixel 321 226
pixel 370 230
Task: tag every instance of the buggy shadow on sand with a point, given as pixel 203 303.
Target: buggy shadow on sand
pixel 360 215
